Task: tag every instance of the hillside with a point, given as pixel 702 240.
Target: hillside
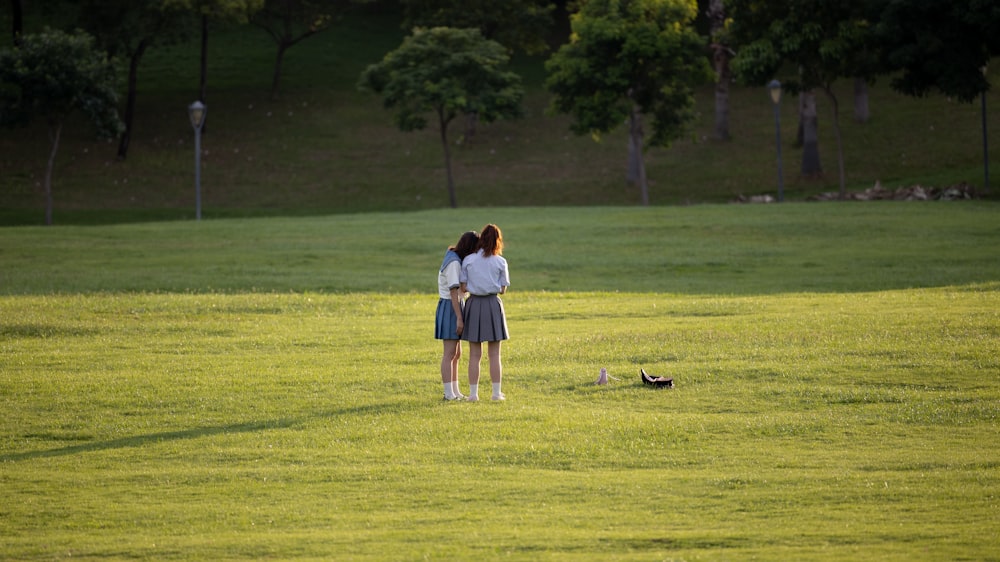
pixel 324 147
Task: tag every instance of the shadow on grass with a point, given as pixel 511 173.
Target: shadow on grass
pixel 43 331
pixel 195 433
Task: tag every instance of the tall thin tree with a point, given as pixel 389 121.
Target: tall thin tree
pixel 626 62
pixel 50 76
pixel 721 55
pixel 17 20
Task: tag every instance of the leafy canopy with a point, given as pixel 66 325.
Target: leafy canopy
pixel 239 11
pixel 516 24
pixel 939 44
pixel 448 71
pixel 53 74
pixel 126 28
pixel 817 42
pixel 628 54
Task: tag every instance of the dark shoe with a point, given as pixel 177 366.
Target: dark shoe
pixel 659 382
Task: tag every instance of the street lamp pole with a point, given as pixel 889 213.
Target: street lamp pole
pixel 196 112
pixel 775 89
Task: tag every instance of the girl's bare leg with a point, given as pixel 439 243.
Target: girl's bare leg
pixel 449 366
pixel 475 355
pixel 496 365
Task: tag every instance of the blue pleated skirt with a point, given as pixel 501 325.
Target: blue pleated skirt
pixel 484 319
pixel 446 324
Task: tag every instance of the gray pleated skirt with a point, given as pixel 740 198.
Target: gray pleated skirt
pixel 484 319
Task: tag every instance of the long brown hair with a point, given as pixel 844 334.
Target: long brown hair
pixel 491 240
pixel 466 245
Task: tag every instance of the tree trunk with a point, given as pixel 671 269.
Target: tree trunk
pixel 799 130
pixel 720 56
pixel 861 112
pixel 443 127
pixel 811 167
pixel 55 131
pixel 471 122
pixel 17 20
pixel 282 47
pixel 633 165
pixel 722 98
pixel 840 145
pixel 635 142
pixel 133 73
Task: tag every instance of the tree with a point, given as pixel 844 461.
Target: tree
pixel 627 59
pixel 722 53
pixel 215 10
pixel 937 44
pixel 448 72
pixel 821 41
pixel 289 22
pixel 519 25
pixel 127 29
pixel 50 76
pixel 17 20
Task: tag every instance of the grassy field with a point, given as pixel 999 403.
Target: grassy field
pixel 324 148
pixel 267 388
pixel 704 249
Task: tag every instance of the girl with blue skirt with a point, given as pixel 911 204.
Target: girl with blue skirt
pixel 450 323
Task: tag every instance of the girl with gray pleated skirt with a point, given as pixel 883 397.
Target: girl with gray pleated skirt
pixel 484 275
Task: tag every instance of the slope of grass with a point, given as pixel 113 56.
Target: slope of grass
pixel 325 148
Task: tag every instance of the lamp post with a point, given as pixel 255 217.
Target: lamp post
pixel 775 89
pixel 196 112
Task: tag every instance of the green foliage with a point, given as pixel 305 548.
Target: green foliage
pixel 53 74
pixel 291 21
pixel 449 72
pixel 938 44
pixel 326 148
pixel 446 71
pixel 517 24
pixel 239 11
pixel 923 45
pixel 809 44
pixel 288 22
pixel 624 54
pixel 127 28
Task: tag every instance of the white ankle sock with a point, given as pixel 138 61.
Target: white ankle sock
pixel 473 390
pixel 454 388
pixel 448 392
pixel 496 389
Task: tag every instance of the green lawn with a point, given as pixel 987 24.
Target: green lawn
pixel 268 388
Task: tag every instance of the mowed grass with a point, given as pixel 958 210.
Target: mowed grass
pixel 855 417
pixel 704 249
